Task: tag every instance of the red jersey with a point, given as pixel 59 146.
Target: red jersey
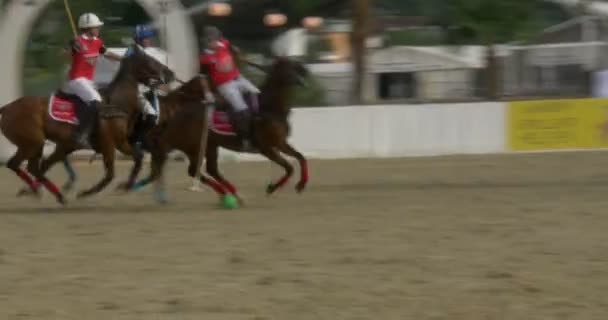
pixel 84 57
pixel 220 64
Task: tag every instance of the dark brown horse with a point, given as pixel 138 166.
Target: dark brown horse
pixel 183 117
pixel 270 133
pixel 27 124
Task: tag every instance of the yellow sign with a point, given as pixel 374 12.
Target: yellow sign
pixel 558 124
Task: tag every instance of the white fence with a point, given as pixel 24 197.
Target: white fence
pixel 397 130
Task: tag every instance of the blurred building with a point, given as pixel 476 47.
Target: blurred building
pixel 561 61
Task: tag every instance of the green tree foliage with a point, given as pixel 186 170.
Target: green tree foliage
pixel 489 22
pixel 486 22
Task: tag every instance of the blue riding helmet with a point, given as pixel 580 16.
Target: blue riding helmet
pixel 142 31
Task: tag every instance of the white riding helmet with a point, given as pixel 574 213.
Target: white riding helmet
pixel 89 20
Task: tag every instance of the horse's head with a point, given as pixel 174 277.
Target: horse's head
pixel 289 72
pixel 282 75
pixel 148 70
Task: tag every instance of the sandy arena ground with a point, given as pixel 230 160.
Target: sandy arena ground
pixel 519 237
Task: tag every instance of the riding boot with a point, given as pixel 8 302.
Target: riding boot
pixel 86 117
pixel 148 123
pixel 253 102
pixel 242 126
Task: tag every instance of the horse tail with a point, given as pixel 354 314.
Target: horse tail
pixel 4 106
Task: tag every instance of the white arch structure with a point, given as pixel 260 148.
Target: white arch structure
pixel 18 18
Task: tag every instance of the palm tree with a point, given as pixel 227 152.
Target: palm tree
pixel 361 28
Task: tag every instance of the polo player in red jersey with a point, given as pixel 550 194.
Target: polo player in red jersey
pixel 218 62
pixel 86 48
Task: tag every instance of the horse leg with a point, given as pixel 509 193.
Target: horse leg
pixel 192 171
pixel 58 154
pixel 108 160
pixel 14 163
pixel 138 160
pixel 212 168
pixel 137 153
pixel 69 169
pixel 291 151
pixel 275 157
pixel 35 168
pixel 159 158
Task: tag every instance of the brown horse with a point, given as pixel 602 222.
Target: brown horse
pixel 182 119
pixel 27 124
pixel 270 132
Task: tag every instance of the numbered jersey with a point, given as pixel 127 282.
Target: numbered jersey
pixel 84 57
pixel 219 63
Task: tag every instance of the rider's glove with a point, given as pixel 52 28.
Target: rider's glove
pixel 75 45
pixel 209 98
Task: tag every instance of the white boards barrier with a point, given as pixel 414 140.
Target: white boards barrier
pixel 396 130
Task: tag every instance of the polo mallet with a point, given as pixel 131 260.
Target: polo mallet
pixel 69 12
pixel 196 182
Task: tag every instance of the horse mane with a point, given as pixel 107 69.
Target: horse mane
pixel 123 72
pixel 179 92
pixel 275 90
pixel 175 98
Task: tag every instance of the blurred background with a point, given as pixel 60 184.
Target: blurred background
pixel 472 230
pixel 382 51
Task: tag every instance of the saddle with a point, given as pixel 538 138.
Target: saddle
pixel 67 108
pixel 219 118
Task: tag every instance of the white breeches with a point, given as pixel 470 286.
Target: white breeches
pixel 145 105
pixel 231 91
pixel 247 86
pixel 83 88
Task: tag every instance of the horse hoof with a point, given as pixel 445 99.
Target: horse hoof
pixel 27 192
pixel 162 201
pixel 270 189
pixel 300 187
pixel 61 199
pixel 67 187
pixel 124 187
pixel 240 200
pixel 161 197
pixel 82 195
pixel 24 192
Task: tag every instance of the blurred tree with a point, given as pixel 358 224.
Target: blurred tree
pixel 361 29
pixel 486 22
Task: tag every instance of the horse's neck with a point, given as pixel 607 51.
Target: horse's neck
pixel 172 103
pixel 274 99
pixel 122 91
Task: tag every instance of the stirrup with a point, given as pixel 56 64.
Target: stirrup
pixel 83 142
pixel 248 146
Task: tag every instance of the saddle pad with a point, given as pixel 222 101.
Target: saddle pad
pixel 62 109
pixel 219 122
